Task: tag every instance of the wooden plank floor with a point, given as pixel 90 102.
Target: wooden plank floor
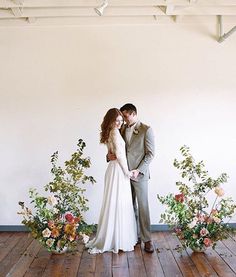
pixel 20 255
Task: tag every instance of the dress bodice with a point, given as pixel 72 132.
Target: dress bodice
pixel 116 145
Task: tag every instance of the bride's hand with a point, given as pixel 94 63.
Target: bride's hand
pixel 131 174
pixel 134 176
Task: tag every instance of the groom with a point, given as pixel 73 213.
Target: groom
pixel 139 141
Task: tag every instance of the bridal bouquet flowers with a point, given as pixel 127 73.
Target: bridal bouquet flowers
pixel 196 223
pixel 57 219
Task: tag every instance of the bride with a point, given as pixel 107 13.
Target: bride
pixel 117 228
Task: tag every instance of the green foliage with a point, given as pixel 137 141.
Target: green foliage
pixel 57 221
pixel 188 213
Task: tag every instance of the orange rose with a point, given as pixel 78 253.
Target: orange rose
pixel 55 233
pixel 77 219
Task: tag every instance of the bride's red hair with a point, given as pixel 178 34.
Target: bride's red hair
pixel 108 123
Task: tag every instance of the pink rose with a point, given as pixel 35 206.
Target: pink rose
pixel 204 232
pixel 201 217
pixel 207 242
pixel 51 224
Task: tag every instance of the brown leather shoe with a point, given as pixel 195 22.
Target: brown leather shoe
pixel 148 247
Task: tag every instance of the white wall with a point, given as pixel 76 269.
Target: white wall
pixel 56 83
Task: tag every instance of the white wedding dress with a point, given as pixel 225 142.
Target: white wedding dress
pixel 117 228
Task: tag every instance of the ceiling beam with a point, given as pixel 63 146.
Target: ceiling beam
pixel 67 12
pixel 116 11
pixel 17 12
pixel 94 3
pixel 18 2
pixel 170 9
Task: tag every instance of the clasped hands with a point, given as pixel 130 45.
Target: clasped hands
pixel 133 173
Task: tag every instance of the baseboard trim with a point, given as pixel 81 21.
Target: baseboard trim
pixel 13 228
pixel 22 228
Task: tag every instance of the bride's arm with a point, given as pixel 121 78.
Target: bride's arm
pixel 119 152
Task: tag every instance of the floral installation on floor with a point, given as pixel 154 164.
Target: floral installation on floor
pixel 197 224
pixel 56 220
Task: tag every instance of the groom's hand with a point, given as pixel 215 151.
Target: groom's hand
pixel 111 157
pixel 135 173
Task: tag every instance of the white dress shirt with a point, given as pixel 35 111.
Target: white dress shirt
pixel 129 132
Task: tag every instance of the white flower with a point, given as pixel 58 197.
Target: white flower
pixel 85 238
pixel 55 210
pixel 52 200
pixel 46 233
pixel 192 224
pixel 50 242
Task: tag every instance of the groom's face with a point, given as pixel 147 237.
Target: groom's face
pixel 129 117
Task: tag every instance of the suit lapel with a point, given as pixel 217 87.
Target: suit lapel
pixel 136 129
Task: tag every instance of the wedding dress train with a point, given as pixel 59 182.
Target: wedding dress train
pixel 117 228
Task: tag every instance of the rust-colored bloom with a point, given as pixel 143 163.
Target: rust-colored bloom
pixel 55 233
pixel 179 197
pixel 77 219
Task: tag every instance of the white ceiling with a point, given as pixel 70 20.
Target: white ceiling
pixel 46 12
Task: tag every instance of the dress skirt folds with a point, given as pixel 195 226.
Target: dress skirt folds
pixel 117 228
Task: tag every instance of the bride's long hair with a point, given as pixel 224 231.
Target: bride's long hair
pixel 108 124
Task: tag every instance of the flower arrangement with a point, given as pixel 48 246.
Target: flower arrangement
pixel 57 221
pixel 197 224
pixel 136 131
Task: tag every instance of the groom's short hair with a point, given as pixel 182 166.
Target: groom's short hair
pixel 129 108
